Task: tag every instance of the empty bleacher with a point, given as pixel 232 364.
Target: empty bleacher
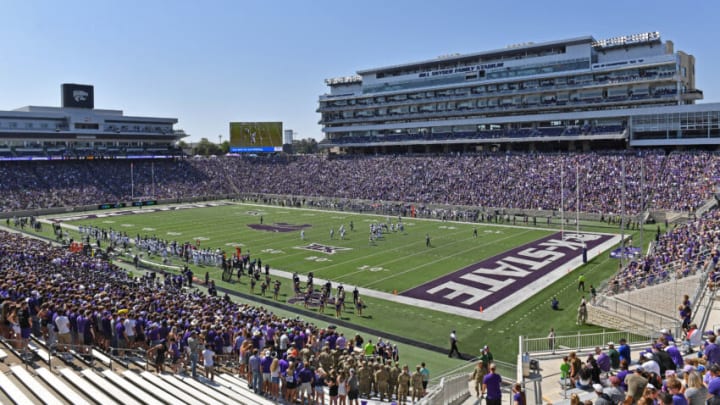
pixel 86 387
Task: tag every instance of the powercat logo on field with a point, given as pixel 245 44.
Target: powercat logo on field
pixel 317 247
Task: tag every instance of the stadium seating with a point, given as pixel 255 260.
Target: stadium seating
pixel 677 181
pixel 56 277
pixel 680 252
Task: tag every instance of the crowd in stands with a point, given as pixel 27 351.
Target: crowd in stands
pixel 678 181
pixel 75 300
pixel 680 252
pixel 657 374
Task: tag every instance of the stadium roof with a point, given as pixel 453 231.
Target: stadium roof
pixel 511 48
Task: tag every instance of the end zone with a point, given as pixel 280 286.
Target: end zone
pixel 488 289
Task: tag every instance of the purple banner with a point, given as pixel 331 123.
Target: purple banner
pixel 484 284
pixel 630 252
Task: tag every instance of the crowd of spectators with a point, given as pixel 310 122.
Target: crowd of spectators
pixel 681 251
pixel 657 374
pixel 678 181
pixel 75 300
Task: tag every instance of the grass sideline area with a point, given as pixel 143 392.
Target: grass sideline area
pixel 395 256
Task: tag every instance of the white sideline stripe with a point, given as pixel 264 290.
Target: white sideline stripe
pixel 208 390
pixel 33 385
pixel 109 387
pixel 240 386
pixel 13 392
pixel 60 387
pixel 152 389
pixel 167 387
pixel 3 355
pixel 86 387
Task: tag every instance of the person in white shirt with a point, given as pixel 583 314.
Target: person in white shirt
pixel 63 326
pixel 208 356
pixel 453 345
pixel 129 325
pixel 650 364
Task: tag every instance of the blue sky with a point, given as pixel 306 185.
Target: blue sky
pixel 211 62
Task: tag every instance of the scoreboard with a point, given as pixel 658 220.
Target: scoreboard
pixel 255 137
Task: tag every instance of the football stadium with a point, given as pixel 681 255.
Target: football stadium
pixel 535 223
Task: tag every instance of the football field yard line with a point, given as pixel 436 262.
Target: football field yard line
pixel 386 252
pixel 190 223
pixel 540 226
pixel 436 261
pixel 222 228
pixel 321 268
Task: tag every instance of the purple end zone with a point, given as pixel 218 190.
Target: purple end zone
pixel 486 283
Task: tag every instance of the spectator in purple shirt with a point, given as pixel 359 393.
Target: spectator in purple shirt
pixel 712 351
pixel 121 339
pixel 602 359
pixel 305 379
pixel 265 364
pixel 491 385
pixel 714 382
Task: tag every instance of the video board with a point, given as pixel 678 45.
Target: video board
pixel 255 137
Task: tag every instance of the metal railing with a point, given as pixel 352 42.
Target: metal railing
pixel 673 271
pixel 20 349
pixel 702 287
pixel 451 390
pixel 454 386
pixel 580 342
pixel 704 301
pixel 710 204
pixel 647 317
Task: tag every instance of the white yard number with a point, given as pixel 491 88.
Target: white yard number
pixel 317 259
pixel 372 268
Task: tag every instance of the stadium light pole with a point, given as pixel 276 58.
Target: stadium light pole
pixel 152 172
pixel 577 198
pixel 622 213
pixel 132 182
pixel 642 203
pixel 562 200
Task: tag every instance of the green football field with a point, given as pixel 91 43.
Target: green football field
pixel 398 261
